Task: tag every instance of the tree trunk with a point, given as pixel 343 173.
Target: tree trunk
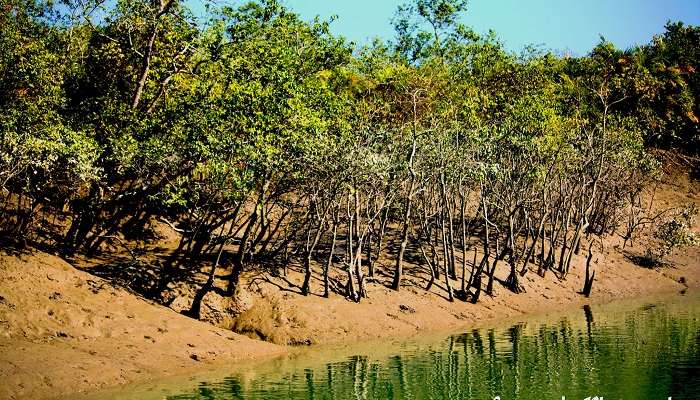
pixel 329 262
pixel 310 247
pixel 398 269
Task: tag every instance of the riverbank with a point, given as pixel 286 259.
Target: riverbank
pixel 375 368
pixel 64 331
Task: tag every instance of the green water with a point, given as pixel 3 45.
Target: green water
pixel 647 350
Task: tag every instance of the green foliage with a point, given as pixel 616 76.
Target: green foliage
pixel 257 121
pixel 422 26
pixel 675 233
pixel 39 150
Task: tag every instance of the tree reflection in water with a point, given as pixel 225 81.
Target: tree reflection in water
pixel 646 352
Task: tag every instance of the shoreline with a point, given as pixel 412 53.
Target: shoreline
pixel 324 354
pixel 110 362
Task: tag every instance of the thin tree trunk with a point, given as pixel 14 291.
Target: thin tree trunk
pixel 329 262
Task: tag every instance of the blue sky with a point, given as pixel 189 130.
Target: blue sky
pixel 571 26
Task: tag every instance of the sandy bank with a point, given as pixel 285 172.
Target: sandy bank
pixel 64 331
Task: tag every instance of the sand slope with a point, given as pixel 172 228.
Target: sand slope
pixel 64 331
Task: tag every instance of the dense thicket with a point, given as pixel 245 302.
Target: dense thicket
pixel 261 137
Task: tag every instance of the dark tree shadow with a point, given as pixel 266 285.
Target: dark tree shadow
pixel 644 260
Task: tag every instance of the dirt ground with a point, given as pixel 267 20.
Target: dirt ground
pixel 65 330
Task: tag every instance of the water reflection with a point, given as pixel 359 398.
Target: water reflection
pixel 641 353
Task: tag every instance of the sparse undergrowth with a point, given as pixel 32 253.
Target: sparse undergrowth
pixel 674 233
